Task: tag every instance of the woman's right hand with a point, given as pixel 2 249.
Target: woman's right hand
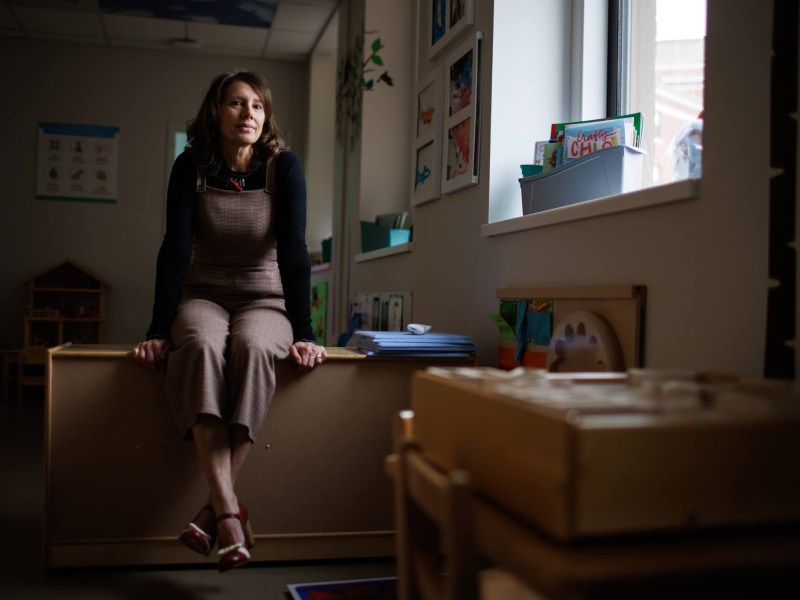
pixel 152 354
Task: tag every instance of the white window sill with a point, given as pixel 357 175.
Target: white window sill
pixel 383 252
pixel 663 194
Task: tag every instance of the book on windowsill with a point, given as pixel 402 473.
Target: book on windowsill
pixel 557 129
pixel 583 139
pixel 575 139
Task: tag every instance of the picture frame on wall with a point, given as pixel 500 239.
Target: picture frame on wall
pixel 461 112
pixel 448 19
pixel 427 154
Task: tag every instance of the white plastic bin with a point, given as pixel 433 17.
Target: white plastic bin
pixel 603 173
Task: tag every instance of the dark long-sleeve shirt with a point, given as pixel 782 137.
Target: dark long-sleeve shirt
pixel 175 253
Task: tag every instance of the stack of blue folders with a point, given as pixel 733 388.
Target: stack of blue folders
pixel 402 343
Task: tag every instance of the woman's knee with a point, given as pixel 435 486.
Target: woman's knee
pixel 201 326
pixel 247 347
pixel 201 345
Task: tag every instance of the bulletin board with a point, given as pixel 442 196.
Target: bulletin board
pixel 77 162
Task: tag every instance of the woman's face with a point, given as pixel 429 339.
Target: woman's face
pixel 241 115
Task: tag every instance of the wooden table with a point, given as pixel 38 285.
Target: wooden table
pixel 531 466
pixel 707 564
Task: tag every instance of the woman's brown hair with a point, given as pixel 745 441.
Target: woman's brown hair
pixel 203 132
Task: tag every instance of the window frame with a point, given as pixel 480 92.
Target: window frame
pixel 618 56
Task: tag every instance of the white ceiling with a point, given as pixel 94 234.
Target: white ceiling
pixel 296 27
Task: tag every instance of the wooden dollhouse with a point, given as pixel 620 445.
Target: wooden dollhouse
pixel 66 303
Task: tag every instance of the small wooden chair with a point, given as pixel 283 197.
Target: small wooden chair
pixel 435 549
pixel 437 556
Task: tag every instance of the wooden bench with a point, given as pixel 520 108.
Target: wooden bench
pixel 120 484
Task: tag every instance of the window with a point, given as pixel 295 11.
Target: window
pixel 589 59
pixel 176 143
pixel 659 71
pixel 179 143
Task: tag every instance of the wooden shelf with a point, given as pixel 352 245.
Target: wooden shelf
pixel 65 304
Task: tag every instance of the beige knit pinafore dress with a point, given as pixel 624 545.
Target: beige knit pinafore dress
pixel 231 323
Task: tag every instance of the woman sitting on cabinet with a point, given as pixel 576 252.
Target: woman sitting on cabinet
pixel 231 294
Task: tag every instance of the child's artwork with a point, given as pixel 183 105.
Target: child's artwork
pixel 428 101
pixel 458 150
pixel 425 160
pixel 438 16
pixel 427 155
pixel 461 83
pixel 461 141
pixel 448 20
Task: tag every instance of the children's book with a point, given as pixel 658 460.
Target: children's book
pixel 557 129
pixel 585 138
pixel 395 321
pixel 538 152
pixel 384 588
pixel 553 156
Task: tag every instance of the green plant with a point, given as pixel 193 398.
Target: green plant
pixel 352 81
pixel 374 58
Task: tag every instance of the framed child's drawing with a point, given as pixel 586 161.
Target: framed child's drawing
pixel 460 140
pixel 426 158
pixel 448 19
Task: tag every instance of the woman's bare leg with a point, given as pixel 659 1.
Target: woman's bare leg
pixel 240 448
pixel 212 439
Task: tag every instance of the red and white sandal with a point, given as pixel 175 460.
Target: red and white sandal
pixel 238 554
pixel 201 534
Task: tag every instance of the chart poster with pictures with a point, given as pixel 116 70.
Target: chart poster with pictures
pixel 77 162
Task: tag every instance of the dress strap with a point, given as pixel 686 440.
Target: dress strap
pixel 270 189
pixel 201 180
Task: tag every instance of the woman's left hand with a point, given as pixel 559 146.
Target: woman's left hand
pixel 308 354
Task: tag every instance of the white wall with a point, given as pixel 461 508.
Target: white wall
pixel 385 168
pixel 703 261
pixel 139 91
pixel 530 93
pixel 321 136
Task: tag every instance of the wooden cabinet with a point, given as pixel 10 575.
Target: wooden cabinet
pixel 314 481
